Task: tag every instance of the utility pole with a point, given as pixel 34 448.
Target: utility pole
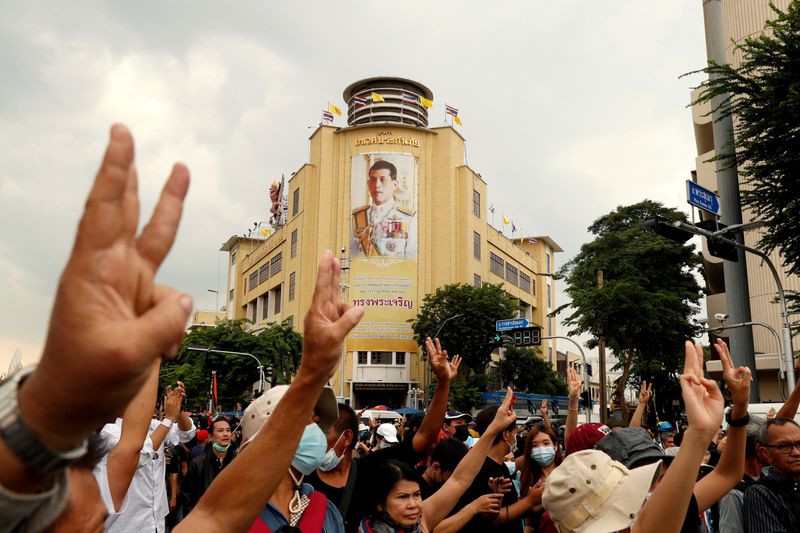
pixel 601 351
pixel 737 291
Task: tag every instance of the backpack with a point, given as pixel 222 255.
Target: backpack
pixel 311 521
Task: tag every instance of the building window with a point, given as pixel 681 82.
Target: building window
pixel 400 358
pixel 264 306
pixel 496 264
pixel 296 201
pixel 230 295
pixel 476 203
pixel 381 358
pixel 549 301
pixel 233 257
pixel 294 244
pixel 550 353
pixel 362 358
pixel 512 274
pixel 275 264
pixel 524 282
pixel 476 281
pixel 549 326
pixel 277 297
pixel 253 280
pixel 547 260
pixel 263 273
pixel 291 286
pixel 476 245
pixel 254 311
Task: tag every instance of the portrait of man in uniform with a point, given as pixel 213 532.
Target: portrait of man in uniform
pixel 384 227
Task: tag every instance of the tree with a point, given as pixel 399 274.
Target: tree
pixel 478 308
pixel 649 292
pixel 522 370
pixel 763 96
pixel 277 346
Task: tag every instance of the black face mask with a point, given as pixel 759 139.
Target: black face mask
pixel 462 433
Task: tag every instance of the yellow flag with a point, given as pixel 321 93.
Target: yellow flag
pixel 377 98
pixel 264 232
pixel 333 109
pixel 427 103
pixel 505 218
pixel 458 121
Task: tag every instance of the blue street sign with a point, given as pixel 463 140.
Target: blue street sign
pixel 702 198
pixel 513 323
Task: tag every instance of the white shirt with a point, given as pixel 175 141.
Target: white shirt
pixel 145 504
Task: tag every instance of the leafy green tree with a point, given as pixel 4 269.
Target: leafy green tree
pixel 649 292
pixel 522 370
pixel 277 346
pixel 469 333
pixel 763 96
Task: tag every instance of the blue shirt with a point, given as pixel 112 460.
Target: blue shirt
pixel 275 519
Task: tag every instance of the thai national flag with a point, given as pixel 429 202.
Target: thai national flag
pixel 450 110
pixel 327 115
pixel 532 240
pixel 359 101
pixel 411 98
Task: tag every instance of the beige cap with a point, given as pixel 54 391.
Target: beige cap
pixel 259 411
pixel 591 493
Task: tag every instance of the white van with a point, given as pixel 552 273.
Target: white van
pixel 761 409
pixel 381 416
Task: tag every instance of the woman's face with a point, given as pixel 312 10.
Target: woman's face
pixel 404 503
pixel 540 440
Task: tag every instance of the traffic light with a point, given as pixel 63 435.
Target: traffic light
pixel 664 227
pixel 716 246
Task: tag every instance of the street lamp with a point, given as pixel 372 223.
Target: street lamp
pixel 415 392
pixel 216 303
pixel 261 377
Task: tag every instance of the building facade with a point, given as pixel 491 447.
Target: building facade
pixel 394 199
pixel 742 18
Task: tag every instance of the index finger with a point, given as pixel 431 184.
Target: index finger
pixel 507 400
pixel 324 276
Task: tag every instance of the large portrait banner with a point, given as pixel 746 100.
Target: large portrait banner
pixel 383 250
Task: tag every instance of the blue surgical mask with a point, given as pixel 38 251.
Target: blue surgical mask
pixel 331 460
pixel 311 450
pixel 543 455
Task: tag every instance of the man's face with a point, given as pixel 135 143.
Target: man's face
pixel 381 185
pixel 450 428
pixel 669 442
pixel 786 463
pixel 221 434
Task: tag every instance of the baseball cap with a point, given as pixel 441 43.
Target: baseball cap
pixel 631 447
pixel 591 493
pixel 585 436
pixel 455 415
pixel 202 435
pixel 388 432
pixel 259 411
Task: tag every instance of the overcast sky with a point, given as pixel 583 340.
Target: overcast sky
pixel 570 108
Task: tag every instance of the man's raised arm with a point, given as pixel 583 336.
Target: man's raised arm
pixel 445 371
pixel 244 487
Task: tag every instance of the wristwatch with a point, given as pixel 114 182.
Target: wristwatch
pixel 737 422
pixel 25 444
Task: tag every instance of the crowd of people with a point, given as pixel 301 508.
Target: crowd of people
pixel 296 460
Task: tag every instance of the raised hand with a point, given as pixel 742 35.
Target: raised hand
pixel 702 397
pixel 173 400
pixel 505 415
pixel 575 384
pixel 444 369
pixel 543 409
pixel 500 485
pixel 110 321
pixel 737 380
pixel 644 393
pixel 327 322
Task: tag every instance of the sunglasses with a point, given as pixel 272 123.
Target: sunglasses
pixel 785 448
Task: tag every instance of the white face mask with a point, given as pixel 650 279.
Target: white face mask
pixel 331 460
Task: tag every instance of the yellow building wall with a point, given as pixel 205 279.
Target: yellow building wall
pixel 445 228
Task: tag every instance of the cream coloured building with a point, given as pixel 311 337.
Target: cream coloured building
pixel 394 199
pixel 742 18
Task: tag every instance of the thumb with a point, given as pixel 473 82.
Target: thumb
pixel 348 321
pixel 158 332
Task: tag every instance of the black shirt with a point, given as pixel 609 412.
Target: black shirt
pixel 480 487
